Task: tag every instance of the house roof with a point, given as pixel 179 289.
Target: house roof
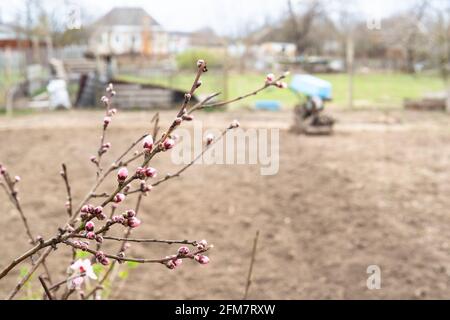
pixel 126 16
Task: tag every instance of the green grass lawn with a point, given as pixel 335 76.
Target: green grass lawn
pixel 370 90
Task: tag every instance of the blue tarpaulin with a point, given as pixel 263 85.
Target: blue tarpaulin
pixel 311 86
pixel 271 105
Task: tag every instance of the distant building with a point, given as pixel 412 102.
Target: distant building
pixel 127 30
pixel 204 38
pixel 11 38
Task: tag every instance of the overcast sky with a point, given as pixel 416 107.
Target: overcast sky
pixel 225 16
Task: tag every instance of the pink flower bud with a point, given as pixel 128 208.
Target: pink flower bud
pixel 234 124
pixel 270 77
pixel 112 112
pixel 168 144
pixel 82 245
pixel 16 178
pixel 93 159
pixel 170 264
pixel 2 169
pixel 178 120
pixel 119 198
pixel 177 262
pixel 84 215
pixel 202 244
pixel 148 143
pixel 85 209
pixel 122 175
pixel 105 100
pixel 281 85
pixel 183 251
pixel 89 226
pixel 118 219
pixel 188 117
pixel 201 259
pixel 134 222
pixel 209 139
pixel 90 208
pixel 90 235
pixel 110 87
pixel 99 238
pixel 130 213
pixel 200 62
pixel 150 172
pixel 98 210
pixel 146 187
pixel 106 121
pixel 99 255
pixel 198 84
pixel 104 261
pixel 187 96
pixel 101 216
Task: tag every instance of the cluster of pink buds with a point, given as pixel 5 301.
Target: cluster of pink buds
pixel 101 258
pixel 209 138
pixel 270 80
pixel 173 262
pixel 127 219
pixel 122 175
pixel 105 147
pixel 148 172
pixel 147 143
pixel 96 212
pixel 118 198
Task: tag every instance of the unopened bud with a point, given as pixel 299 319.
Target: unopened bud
pixel 89 226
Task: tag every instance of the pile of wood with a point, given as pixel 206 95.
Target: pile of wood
pixel 142 96
pixel 426 104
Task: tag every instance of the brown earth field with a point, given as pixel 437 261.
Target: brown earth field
pixel 376 192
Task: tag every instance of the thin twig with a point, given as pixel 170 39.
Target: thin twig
pixel 150 240
pixel 44 285
pixel 252 262
pixel 65 177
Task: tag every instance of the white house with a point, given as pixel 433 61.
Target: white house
pixel 128 30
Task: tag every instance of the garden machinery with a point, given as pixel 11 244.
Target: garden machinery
pixel 308 114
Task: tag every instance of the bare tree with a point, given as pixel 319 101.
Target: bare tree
pixel 302 21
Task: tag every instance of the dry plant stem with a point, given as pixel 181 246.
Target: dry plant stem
pixel 68 189
pixel 44 285
pixel 252 262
